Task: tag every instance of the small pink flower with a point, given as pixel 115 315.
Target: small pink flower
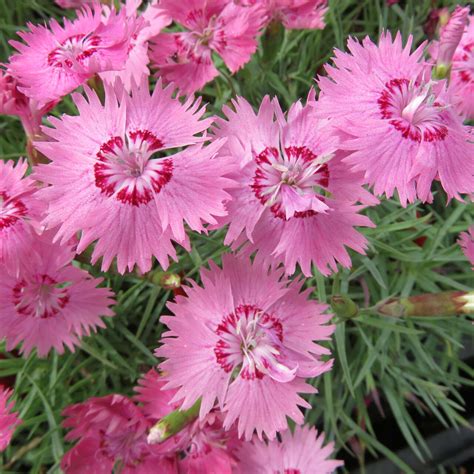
pixel 293 188
pixel 246 341
pixel 203 445
pixel 50 303
pixel 20 211
pixel 398 125
pixel 8 419
pixel 218 26
pixel 299 14
pixel 111 177
pixel 294 14
pixel 451 35
pixel 150 23
pixel 301 452
pixel 462 73
pixel 74 3
pixel 466 241
pixel 111 431
pixel 56 60
pixel 14 102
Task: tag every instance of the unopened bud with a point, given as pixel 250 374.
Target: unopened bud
pixel 450 37
pixel 443 17
pixel 167 280
pixel 448 303
pixel 156 435
pixel 344 307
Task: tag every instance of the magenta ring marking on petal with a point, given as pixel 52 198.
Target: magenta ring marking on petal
pixel 11 210
pixel 401 102
pixel 126 170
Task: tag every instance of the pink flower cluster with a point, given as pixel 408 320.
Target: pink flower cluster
pixel 111 431
pixel 246 341
pixel 126 178
pixel 45 301
pixel 400 129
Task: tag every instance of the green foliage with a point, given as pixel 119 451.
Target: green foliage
pixel 409 364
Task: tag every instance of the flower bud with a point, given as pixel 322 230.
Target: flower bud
pixel 167 280
pixel 450 37
pixel 448 303
pixel 344 307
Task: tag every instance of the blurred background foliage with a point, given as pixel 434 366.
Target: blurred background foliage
pixel 394 381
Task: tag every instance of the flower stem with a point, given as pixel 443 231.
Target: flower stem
pixel 173 423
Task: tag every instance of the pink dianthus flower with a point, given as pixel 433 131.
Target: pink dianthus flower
pixel 400 127
pixel 20 211
pixel 8 419
pixel 296 14
pixel 50 303
pixel 462 73
pixel 219 26
pixel 145 25
pixel 466 241
pixel 111 177
pixel 55 60
pixel 74 3
pixel 111 431
pixel 300 452
pixel 14 102
pixel 301 14
pixel 245 340
pixel 296 199
pixel 203 445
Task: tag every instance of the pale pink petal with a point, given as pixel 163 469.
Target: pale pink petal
pixel 134 207
pixel 397 125
pixel 55 60
pixel 232 344
pixel 50 303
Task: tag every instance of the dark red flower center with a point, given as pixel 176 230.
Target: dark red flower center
pixel 11 210
pixel 205 33
pixel 412 109
pixel 127 171
pixel 40 297
pixel 74 51
pixel 250 345
pixel 292 182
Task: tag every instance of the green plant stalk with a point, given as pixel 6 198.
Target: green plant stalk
pixel 173 423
